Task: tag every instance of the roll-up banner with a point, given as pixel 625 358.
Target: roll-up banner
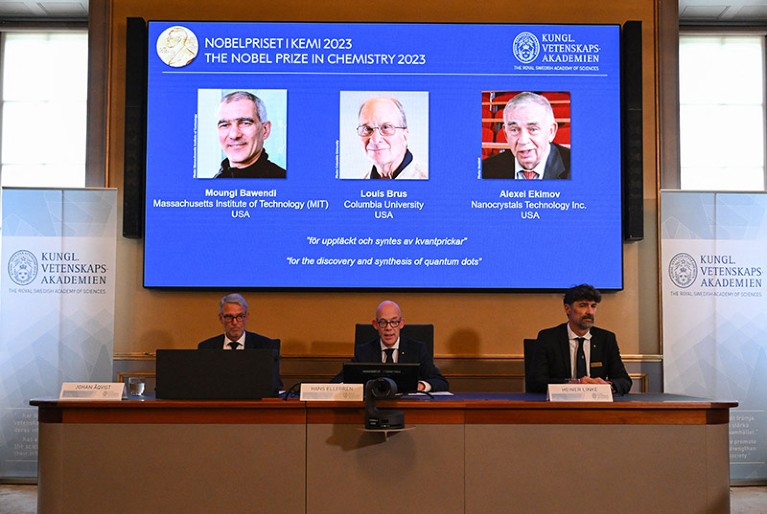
pixel 57 289
pixel 714 266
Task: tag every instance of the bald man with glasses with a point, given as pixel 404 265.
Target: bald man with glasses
pixel 383 133
pixel 234 315
pixel 390 347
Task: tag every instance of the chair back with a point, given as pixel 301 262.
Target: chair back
pixel 365 332
pixel 529 353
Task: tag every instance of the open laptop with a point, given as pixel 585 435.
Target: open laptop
pixel 404 374
pixel 215 375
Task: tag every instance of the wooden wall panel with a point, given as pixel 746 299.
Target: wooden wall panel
pixel 321 324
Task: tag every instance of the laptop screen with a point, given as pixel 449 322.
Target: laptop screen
pixel 215 374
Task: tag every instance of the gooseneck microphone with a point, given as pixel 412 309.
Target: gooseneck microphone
pixel 292 391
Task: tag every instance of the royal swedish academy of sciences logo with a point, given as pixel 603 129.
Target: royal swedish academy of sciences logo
pixel 526 47
pixel 682 270
pixel 22 267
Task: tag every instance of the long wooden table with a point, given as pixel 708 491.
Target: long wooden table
pixel 473 453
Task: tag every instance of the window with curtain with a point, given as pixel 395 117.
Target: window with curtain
pixel 43 116
pixel 722 113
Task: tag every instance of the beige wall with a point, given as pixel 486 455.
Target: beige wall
pixel 321 323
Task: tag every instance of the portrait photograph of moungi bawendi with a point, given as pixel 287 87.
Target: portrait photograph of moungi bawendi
pixel 241 133
pixel 384 135
pixel 525 135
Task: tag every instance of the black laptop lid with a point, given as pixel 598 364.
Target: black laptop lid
pixel 404 374
pixel 215 374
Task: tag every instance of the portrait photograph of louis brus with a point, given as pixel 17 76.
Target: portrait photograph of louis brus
pixel 241 133
pixel 525 135
pixel 384 135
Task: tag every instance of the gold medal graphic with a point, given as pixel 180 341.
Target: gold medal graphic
pixel 177 46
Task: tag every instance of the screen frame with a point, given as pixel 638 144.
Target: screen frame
pixel 404 374
pixel 365 288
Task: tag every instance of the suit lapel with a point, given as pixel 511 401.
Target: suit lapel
pixel 406 353
pixel 564 348
pixel 597 357
pixel 374 351
pixel 554 164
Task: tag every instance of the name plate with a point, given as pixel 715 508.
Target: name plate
pixel 332 392
pixel 580 393
pixel 92 391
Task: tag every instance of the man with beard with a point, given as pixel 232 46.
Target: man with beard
pixel 577 350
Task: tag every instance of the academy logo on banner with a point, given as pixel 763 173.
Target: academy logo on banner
pixel 682 270
pixel 22 267
pixel 715 275
pixel 25 268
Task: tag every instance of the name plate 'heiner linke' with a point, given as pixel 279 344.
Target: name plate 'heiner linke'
pixel 580 393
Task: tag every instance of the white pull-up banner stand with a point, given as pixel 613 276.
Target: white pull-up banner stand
pixel 56 305
pixel 714 269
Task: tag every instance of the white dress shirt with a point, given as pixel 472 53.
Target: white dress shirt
pixel 574 350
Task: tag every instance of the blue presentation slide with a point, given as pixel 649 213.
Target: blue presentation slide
pixel 383 156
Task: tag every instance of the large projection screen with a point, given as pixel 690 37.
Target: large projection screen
pixel 316 216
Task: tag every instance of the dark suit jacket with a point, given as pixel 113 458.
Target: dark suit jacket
pixel 262 168
pixel 410 350
pixel 252 341
pixel 502 165
pixel 551 361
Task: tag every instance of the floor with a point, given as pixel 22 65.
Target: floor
pixel 18 499
pixel 748 500
pixel 22 499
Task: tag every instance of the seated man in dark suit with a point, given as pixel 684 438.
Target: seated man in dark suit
pixel 233 315
pixel 390 347
pixel 577 349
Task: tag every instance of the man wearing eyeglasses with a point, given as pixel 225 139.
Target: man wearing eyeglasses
pixel 233 315
pixel 390 347
pixel 383 132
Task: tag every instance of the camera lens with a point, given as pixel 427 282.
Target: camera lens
pixel 384 388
